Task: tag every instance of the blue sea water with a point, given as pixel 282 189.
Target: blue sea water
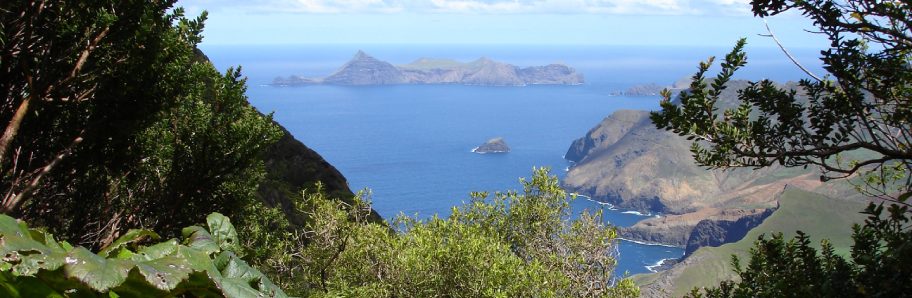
pixel 411 145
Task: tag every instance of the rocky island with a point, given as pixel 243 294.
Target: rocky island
pixel 653 89
pixel 495 145
pixel 364 69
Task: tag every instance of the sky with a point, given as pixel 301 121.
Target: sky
pixel 552 22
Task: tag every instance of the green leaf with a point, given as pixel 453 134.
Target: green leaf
pixel 98 273
pixel 903 197
pixel 221 261
pixel 237 268
pixel 198 238
pixel 11 246
pixel 222 231
pixel 136 285
pixel 238 288
pixel 25 287
pixel 199 261
pixel 124 254
pixel 200 284
pixel 48 240
pixel 30 264
pixel 131 236
pixel 11 226
pixel 156 251
pixel 165 273
pixel 241 280
pixel 32 269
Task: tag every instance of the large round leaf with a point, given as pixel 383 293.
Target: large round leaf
pixel 98 273
pixel 223 232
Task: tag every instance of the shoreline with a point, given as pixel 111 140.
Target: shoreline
pixel 495 151
pixel 588 198
pixel 660 263
pixel 648 243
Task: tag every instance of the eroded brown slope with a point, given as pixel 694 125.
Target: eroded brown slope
pixel 626 161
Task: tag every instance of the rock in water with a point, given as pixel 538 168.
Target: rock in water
pixel 495 145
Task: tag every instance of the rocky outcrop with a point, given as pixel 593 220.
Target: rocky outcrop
pixel 495 145
pixel 677 229
pixel 366 70
pixel 709 232
pixel 663 233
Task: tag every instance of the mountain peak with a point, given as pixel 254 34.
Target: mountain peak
pixel 363 69
pixel 361 55
pixel 483 60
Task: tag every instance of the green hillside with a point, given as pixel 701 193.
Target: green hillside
pixel 818 216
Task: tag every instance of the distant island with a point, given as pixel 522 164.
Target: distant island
pixel 495 145
pixel 653 89
pixel 364 70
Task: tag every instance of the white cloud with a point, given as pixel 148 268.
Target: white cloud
pixel 334 6
pixel 610 7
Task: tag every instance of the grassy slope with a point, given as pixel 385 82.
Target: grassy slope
pixel 820 217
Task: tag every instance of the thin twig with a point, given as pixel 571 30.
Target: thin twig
pixel 773 36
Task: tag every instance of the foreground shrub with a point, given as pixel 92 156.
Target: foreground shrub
pixel 511 244
pixel 34 264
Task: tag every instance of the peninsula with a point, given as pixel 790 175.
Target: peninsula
pixel 363 70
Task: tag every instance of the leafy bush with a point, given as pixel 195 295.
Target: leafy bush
pixel 34 264
pixel 118 92
pixel 511 244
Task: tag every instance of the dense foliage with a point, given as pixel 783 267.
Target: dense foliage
pixel 34 264
pixel 866 107
pixel 510 244
pixel 853 123
pixel 117 125
pixel 114 120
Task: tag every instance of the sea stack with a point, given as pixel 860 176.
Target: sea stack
pixel 495 145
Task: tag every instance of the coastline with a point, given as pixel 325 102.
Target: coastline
pixel 661 263
pixel 475 150
pixel 649 243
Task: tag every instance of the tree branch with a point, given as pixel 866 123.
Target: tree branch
pixel 13 127
pixel 789 55
pixel 12 204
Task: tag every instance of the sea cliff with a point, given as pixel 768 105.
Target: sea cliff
pixel 626 161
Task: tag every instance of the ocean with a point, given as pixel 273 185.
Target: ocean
pixel 410 146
